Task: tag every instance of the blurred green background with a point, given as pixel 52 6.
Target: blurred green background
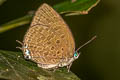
pixel 100 59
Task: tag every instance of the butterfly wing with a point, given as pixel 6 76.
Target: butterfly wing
pixel 49 39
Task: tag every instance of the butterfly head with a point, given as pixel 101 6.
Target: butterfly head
pixel 25 50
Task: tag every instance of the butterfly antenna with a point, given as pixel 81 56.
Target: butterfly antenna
pixel 93 38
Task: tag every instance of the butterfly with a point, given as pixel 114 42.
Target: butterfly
pixel 49 41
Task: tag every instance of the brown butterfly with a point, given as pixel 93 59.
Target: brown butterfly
pixel 49 41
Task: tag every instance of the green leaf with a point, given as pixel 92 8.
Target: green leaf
pixel 68 7
pixel 2 1
pixel 77 7
pixel 14 67
pixel 15 23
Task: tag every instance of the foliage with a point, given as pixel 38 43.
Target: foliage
pixel 14 67
pixel 67 7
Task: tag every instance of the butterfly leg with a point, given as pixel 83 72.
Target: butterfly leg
pixel 69 66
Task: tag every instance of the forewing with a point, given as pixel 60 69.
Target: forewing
pixel 49 39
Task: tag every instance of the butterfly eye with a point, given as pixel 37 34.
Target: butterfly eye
pixel 27 57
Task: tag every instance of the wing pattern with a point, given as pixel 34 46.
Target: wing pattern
pixel 49 39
